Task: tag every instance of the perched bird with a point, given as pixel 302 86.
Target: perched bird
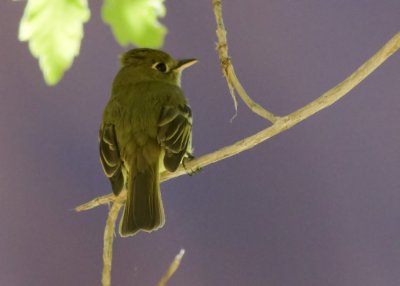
pixel 146 128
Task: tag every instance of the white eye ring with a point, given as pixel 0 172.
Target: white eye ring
pixel 162 67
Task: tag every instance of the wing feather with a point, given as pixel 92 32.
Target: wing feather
pixel 174 132
pixel 110 157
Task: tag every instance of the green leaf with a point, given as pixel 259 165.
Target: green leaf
pixel 136 21
pixel 54 29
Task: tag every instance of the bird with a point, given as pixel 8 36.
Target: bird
pixel 146 128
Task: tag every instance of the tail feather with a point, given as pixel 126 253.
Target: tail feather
pixel 143 208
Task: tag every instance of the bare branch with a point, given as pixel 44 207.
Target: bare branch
pixel 172 268
pixel 106 199
pixel 109 237
pixel 229 72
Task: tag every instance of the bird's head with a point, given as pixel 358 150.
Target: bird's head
pixel 148 64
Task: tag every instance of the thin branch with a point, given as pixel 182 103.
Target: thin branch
pixel 172 268
pixel 228 70
pixel 106 199
pixel 109 237
pixel 282 124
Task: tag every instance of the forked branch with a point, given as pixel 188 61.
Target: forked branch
pixel 279 125
pixel 282 124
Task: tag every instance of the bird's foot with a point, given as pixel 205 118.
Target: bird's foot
pixel 190 172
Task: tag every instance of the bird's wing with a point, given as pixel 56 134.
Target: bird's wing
pixel 174 134
pixel 110 158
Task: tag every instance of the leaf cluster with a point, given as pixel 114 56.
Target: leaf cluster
pixel 54 29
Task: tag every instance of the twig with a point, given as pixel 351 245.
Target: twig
pixel 172 268
pixel 109 237
pixel 284 123
pixel 106 199
pixel 228 70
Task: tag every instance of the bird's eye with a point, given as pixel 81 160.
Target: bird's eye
pixel 161 67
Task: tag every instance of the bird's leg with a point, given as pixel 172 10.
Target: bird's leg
pixel 189 156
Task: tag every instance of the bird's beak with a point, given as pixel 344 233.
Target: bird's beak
pixel 183 64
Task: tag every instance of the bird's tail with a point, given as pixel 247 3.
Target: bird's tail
pixel 143 208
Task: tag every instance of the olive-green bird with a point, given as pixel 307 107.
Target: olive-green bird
pixel 146 128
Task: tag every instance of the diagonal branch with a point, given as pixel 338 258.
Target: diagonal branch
pixel 172 268
pixel 282 124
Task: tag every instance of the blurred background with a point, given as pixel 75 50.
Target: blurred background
pixel 315 205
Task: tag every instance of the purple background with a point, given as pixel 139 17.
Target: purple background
pixel 316 205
